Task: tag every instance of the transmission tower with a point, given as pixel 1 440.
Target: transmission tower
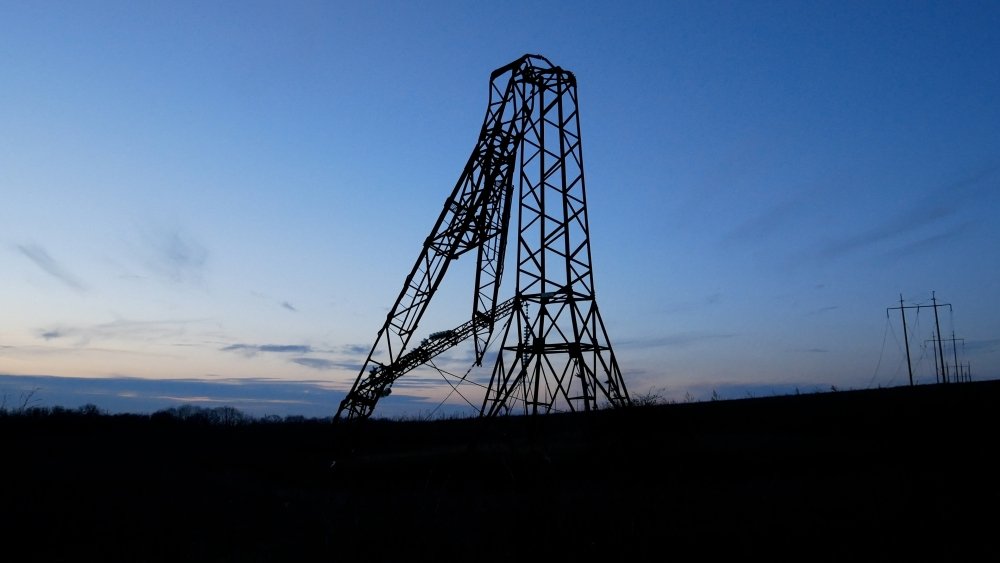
pixel 555 354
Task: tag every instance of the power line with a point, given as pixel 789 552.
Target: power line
pixel 941 372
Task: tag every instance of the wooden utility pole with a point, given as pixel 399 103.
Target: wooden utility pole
pixel 954 350
pixel 906 338
pixel 937 324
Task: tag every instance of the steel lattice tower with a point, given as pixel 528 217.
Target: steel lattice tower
pixel 555 355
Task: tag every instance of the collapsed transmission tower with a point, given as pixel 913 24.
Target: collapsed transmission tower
pixel 555 354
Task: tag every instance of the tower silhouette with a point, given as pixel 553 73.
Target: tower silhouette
pixel 556 354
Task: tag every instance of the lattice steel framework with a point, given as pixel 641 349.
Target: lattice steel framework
pixel 556 354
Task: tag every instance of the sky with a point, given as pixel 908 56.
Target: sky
pixel 217 202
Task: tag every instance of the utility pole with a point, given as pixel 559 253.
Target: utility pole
pixel 937 366
pixel 959 373
pixel 906 337
pixel 940 367
pixel 937 324
pixel 954 350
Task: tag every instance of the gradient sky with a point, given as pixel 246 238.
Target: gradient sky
pixel 233 192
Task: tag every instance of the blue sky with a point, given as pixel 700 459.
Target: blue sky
pixel 231 193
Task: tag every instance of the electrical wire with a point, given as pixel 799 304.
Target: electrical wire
pixel 885 333
pixel 462 379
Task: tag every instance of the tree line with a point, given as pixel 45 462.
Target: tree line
pixel 25 406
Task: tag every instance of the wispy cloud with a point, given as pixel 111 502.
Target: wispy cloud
pixel 984 346
pixel 49 265
pixel 324 364
pixel 927 243
pixel 174 255
pixel 299 351
pixel 934 207
pixel 354 349
pixel 316 363
pixel 83 351
pixel 677 340
pixel 764 225
pixel 121 329
pixel 254 349
pixel 692 306
pixel 51 334
pixel 916 219
pixel 284 304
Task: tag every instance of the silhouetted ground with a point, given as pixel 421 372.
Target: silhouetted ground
pixel 885 474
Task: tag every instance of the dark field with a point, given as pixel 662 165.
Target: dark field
pixel 889 474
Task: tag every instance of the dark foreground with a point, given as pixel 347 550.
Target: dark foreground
pixel 887 474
